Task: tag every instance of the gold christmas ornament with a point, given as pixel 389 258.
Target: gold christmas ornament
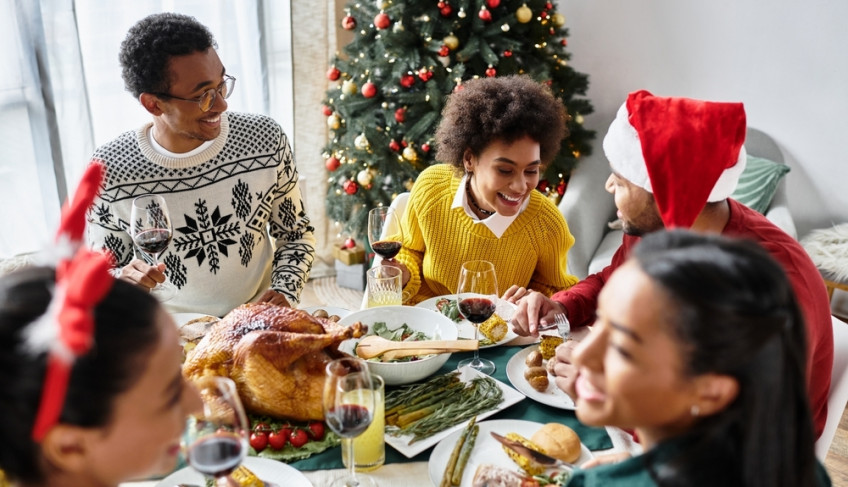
pixel 451 41
pixel 558 19
pixel 361 142
pixel 334 122
pixel 579 119
pixel 363 177
pixel 524 14
pixel 409 154
pixel 349 87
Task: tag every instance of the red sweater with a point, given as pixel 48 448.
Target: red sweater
pixel 581 300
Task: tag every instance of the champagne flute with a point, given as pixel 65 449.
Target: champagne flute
pixel 349 408
pixel 477 295
pixel 150 229
pixel 215 439
pixel 384 232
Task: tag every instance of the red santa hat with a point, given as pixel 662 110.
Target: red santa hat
pixel 686 152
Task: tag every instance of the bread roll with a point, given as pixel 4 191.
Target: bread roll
pixel 559 441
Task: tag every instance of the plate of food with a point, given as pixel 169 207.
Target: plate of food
pixel 493 332
pixel 492 459
pixel 528 372
pixel 193 326
pixel 404 442
pixel 333 313
pixel 269 471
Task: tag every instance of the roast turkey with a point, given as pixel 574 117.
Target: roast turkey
pixel 275 355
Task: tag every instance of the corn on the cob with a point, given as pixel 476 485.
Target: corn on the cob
pixel 526 464
pixel 246 478
pixel 548 345
pixel 494 328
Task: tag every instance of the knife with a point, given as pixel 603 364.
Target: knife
pixel 537 456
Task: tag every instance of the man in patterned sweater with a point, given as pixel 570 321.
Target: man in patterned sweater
pixel 240 232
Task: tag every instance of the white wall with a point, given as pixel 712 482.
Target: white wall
pixel 785 60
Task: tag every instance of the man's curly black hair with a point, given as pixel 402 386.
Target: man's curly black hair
pixel 506 108
pixel 152 42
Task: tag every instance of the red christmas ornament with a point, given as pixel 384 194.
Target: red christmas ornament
pixel 403 143
pixel 493 3
pixel 332 163
pixel 564 42
pixel 444 51
pixel 441 5
pixel 561 188
pixel 327 111
pixel 350 187
pixel 552 31
pixel 543 14
pixel 333 73
pixel 507 53
pixel 491 72
pixel 425 147
pixel 369 90
pixel 349 22
pixel 393 145
pixel 484 14
pixel 446 11
pixel 400 115
pixel 542 186
pixel 407 80
pixel 549 5
pixel 424 74
pixel 382 21
pixel 349 243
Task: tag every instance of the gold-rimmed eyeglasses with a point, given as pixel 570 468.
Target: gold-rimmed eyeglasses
pixel 208 97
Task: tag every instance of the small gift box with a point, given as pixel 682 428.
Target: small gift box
pixel 349 256
pixel 350 276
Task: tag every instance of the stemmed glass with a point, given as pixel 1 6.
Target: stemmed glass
pixel 215 439
pixel 349 408
pixel 477 294
pixel 384 232
pixel 150 229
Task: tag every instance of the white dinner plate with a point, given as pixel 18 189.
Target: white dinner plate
pixel 486 449
pixel 466 329
pixel 552 396
pixel 267 470
pixel 401 443
pixel 331 310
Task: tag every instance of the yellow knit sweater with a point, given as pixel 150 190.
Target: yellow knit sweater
pixel 437 239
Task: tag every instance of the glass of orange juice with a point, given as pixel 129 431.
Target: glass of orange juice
pixel 369 448
pixel 384 286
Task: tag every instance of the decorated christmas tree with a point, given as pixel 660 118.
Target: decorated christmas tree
pixel 392 80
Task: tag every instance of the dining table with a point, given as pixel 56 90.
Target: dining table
pixel 399 471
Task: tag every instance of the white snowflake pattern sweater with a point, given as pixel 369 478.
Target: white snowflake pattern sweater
pixel 231 206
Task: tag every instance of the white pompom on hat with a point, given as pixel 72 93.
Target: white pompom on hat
pixel 686 152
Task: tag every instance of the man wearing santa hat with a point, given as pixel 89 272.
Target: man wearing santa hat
pixel 675 162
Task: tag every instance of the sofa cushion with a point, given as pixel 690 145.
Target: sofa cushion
pixel 758 183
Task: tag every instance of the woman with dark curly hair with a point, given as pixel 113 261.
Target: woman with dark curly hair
pixel 495 138
pixel 699 344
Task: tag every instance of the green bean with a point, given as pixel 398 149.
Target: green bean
pixel 449 468
pixel 464 454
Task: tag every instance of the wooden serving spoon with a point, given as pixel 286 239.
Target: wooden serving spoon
pixel 373 346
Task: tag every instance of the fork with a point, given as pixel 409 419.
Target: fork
pixel 561 324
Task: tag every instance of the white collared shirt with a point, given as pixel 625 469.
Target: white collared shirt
pixel 497 223
pixel 176 155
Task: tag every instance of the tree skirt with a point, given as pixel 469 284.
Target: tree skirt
pixel 828 248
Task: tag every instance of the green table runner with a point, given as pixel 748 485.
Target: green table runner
pixel 527 409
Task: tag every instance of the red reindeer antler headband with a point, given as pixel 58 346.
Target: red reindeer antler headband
pixel 66 330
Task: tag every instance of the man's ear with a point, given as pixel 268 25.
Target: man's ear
pixel 715 392
pixel 150 103
pixel 65 448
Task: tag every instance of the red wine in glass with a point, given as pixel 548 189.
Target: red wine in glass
pixel 386 248
pixel 215 456
pixel 348 420
pixel 153 241
pixel 476 310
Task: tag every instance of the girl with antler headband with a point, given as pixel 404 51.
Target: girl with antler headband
pixel 91 390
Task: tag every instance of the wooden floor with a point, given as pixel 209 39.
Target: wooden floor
pixel 323 291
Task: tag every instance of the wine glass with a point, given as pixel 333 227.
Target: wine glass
pixel 215 439
pixel 349 408
pixel 150 229
pixel 384 232
pixel 477 295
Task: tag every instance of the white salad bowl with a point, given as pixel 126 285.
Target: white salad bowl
pixel 433 324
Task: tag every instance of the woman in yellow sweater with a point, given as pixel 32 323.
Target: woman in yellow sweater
pixel 495 137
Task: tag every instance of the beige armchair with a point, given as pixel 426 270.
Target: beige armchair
pixel 588 208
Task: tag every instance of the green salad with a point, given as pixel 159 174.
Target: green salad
pixel 403 333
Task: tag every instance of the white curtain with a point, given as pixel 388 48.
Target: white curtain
pixel 63 94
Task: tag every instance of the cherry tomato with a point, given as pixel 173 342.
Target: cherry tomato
pixel 258 440
pixel 262 428
pixel 316 429
pixel 286 431
pixel 298 438
pixel 277 440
